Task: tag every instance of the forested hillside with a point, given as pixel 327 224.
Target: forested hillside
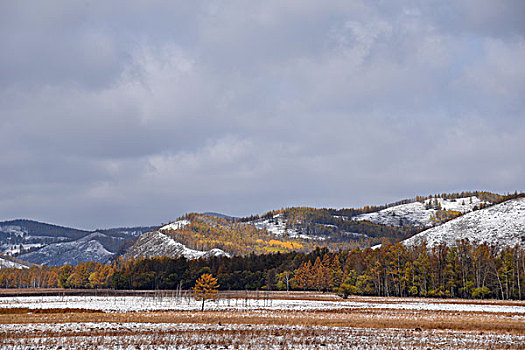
pixel 373 224
pixel 204 232
pixel 292 229
pixel 301 229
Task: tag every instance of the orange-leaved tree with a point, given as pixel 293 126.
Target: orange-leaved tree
pixel 205 288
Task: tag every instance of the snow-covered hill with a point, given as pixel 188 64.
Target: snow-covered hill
pixel 419 213
pixel 7 262
pixel 502 224
pixel 156 243
pixel 87 248
pixel 48 244
pixel 17 236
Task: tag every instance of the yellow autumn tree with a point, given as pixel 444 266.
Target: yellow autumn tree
pixel 206 288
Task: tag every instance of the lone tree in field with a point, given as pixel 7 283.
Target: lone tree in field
pixel 205 288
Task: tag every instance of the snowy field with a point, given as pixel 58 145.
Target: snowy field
pixel 241 336
pixel 259 321
pixel 167 303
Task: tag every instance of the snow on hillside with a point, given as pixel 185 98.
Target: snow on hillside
pixel 86 248
pixel 132 231
pixel 156 243
pixel 13 249
pixel 501 224
pixel 8 264
pixel 417 214
pixel 175 225
pixel 277 226
pixel 15 239
pixel 20 236
pixel 13 230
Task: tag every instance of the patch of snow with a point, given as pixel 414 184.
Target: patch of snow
pixel 175 225
pixel 30 237
pixel 14 249
pixel 308 237
pixel 13 230
pixel 8 264
pixel 277 227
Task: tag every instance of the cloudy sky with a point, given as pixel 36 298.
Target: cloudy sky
pixel 136 112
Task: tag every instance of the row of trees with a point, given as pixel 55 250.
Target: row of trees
pixel 84 275
pixel 464 271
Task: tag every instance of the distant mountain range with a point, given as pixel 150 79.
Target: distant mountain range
pixel 46 244
pixel 438 219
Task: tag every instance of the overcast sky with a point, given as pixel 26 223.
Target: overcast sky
pixel 135 112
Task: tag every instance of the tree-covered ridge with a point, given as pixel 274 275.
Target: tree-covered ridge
pixel 463 271
pixel 488 197
pixel 485 196
pixel 339 223
pixel 323 222
pixel 238 238
pixel 334 228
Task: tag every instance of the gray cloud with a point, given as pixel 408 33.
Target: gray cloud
pixel 135 113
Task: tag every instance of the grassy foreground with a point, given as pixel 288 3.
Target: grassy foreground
pixel 259 328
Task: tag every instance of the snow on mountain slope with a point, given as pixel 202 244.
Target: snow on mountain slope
pixel 9 263
pixel 156 243
pixel 502 224
pixel 131 231
pixel 277 226
pixel 417 214
pixel 15 239
pixel 87 248
pixel 14 249
pixel 175 225
pixel 6 264
pixel 22 236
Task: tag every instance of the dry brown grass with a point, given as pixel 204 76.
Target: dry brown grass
pixel 369 318
pixel 253 337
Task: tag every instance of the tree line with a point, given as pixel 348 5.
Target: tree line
pixel 463 271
